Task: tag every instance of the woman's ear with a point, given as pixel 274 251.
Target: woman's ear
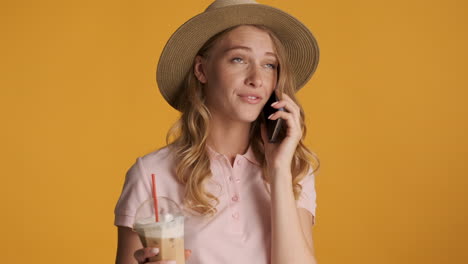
pixel 198 69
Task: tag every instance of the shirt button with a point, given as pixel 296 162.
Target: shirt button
pixel 231 178
pixel 237 180
pixel 235 215
pixel 235 198
pixel 239 162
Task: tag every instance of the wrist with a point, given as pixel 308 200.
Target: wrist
pixel 279 168
pixel 280 175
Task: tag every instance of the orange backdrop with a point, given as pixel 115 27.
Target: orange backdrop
pixel 386 112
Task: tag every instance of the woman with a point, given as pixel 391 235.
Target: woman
pixel 252 201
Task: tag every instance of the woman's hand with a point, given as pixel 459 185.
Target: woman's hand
pixel 281 155
pixel 143 254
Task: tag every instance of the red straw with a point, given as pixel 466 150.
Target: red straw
pixel 155 200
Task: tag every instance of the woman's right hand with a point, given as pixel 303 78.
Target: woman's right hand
pixel 143 254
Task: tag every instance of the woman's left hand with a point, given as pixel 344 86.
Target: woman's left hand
pixel 280 155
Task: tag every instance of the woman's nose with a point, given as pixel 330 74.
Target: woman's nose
pixel 254 77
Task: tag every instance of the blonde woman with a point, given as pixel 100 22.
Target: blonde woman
pixel 251 201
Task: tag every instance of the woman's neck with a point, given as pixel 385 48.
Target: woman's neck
pixel 229 138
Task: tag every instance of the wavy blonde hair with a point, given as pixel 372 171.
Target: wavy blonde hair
pixel 188 136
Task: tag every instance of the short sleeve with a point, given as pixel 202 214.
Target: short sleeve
pixel 307 198
pixel 135 191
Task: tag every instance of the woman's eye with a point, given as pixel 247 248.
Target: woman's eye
pixel 237 59
pixel 271 66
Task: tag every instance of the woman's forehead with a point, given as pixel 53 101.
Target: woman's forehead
pixel 246 38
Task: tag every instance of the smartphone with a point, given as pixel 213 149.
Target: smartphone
pixel 274 127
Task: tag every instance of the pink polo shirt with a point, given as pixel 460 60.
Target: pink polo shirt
pixel 240 232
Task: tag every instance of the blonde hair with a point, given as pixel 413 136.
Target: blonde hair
pixel 187 137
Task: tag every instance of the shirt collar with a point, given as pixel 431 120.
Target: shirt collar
pixel 249 154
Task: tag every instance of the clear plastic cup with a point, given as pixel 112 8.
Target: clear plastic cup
pixel 167 234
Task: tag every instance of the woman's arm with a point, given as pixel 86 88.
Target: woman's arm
pixel 127 243
pixel 289 230
pixel 307 220
pixel 291 227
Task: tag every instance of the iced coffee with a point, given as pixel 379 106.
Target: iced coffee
pixel 167 234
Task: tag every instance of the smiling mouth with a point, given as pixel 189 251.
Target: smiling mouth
pixel 250 99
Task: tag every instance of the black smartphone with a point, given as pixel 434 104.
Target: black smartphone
pixel 273 127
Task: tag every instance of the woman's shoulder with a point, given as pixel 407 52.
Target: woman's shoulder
pixel 159 160
pixel 161 155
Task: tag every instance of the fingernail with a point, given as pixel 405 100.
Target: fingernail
pixel 270 116
pixel 155 250
pixel 274 103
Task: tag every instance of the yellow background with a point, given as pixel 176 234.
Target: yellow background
pixel 386 113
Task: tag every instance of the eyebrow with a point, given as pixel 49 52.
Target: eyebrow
pixel 247 49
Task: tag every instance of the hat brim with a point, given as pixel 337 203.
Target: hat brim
pixel 177 56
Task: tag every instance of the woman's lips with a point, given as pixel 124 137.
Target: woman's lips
pixel 251 99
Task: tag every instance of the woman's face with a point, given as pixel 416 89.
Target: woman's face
pixel 239 74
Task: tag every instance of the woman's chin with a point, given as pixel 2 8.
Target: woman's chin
pixel 249 118
pixel 245 116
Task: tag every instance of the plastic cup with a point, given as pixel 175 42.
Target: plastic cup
pixel 167 234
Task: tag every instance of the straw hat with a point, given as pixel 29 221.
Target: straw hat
pixel 180 50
